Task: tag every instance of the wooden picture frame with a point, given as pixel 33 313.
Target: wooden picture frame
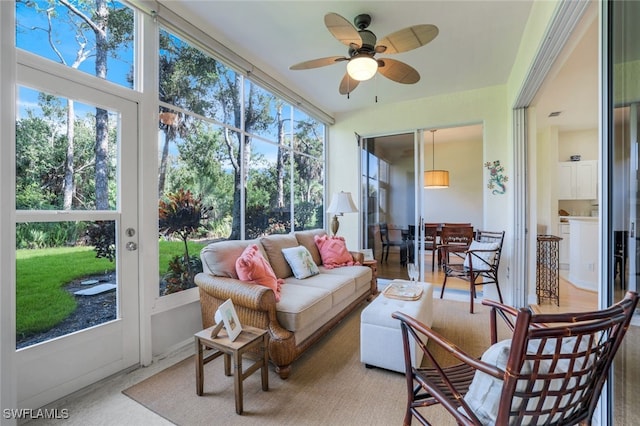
pixel 226 314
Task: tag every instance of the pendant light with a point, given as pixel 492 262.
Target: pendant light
pixel 434 179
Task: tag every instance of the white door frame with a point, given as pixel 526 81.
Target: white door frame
pixel 50 370
pixel 419 196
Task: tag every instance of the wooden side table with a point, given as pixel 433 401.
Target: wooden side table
pixel 250 338
pixel 373 264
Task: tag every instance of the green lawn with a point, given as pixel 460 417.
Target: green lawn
pixel 42 302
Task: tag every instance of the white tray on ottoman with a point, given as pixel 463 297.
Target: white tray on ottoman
pixel 380 335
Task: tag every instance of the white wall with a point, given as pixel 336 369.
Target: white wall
pixel 171 329
pixel 401 199
pixel 462 201
pixel 583 142
pixel 545 174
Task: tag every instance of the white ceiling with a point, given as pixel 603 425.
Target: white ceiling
pixel 475 47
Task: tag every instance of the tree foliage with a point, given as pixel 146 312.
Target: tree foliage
pixel 41 153
pixel 99 28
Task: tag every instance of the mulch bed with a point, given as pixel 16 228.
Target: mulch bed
pixel 91 311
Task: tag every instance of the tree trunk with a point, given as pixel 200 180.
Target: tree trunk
pixel 102 116
pixel 242 162
pixel 162 172
pixel 280 161
pixel 69 159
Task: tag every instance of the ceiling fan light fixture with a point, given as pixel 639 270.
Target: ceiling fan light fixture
pixel 362 67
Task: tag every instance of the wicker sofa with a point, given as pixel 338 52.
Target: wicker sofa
pixel 308 308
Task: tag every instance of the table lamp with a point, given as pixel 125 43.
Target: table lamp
pixel 341 203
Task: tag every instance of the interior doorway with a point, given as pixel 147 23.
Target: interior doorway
pixel 393 191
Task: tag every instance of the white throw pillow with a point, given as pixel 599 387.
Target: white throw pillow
pixel 481 261
pixel 300 261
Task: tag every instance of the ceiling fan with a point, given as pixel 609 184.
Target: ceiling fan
pixel 361 63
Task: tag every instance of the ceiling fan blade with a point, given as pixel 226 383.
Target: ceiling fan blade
pixel 408 38
pixel 348 84
pixel 398 71
pixel 317 63
pixel 342 29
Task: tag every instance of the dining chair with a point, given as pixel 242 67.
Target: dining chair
pixel 431 241
pixel 454 240
pixel 481 261
pixel 620 254
pixel 550 372
pixel 387 243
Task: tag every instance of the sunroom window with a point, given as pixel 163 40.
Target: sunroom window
pixel 243 161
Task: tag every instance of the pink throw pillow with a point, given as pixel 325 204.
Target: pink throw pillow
pixel 252 267
pixel 333 251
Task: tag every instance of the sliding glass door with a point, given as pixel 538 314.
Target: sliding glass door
pixel 622 126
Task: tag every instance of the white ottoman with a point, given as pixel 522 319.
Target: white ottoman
pixel 380 335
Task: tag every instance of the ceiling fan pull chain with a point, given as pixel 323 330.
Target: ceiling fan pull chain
pixel 376 80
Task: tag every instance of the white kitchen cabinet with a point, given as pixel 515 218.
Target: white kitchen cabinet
pixel 578 180
pixel 563 246
pixel 583 253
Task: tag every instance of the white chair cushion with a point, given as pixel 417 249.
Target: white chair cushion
pixel 484 392
pixel 481 261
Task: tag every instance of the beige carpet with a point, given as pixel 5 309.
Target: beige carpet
pixel 328 385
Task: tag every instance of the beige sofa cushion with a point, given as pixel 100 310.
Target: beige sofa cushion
pixel 273 245
pixel 306 238
pixel 341 287
pixel 301 306
pixel 219 258
pixel 360 274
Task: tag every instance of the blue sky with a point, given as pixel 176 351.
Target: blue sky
pixel 31 35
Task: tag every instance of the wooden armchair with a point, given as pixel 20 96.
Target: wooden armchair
pixel 550 372
pixel 481 260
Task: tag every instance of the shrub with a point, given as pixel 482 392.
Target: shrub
pixel 102 236
pixel 181 214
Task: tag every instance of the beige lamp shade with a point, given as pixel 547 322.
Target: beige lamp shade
pixel 341 203
pixel 434 179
